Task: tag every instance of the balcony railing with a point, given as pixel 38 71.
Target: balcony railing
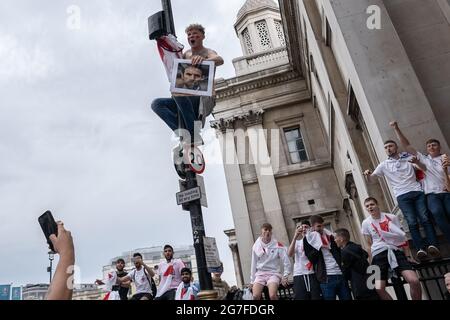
pixel 259 61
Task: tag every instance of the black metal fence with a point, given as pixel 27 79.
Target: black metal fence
pixel 431 276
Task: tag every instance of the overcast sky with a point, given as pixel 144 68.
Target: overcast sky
pixel 77 135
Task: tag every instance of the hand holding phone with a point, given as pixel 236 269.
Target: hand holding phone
pixel 49 227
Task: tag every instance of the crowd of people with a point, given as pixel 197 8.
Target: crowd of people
pixel 329 265
pixel 174 279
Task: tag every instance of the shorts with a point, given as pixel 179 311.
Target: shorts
pixel 264 278
pixel 381 260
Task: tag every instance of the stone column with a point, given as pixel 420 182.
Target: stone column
pixel 254 36
pixel 276 43
pixel 266 179
pixel 233 244
pixel 238 201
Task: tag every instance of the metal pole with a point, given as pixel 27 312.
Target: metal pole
pixel 399 288
pixel 198 232
pixel 167 7
pixel 50 269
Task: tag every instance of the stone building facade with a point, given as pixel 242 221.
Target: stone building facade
pixel 310 106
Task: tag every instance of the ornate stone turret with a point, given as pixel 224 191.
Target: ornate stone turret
pixel 260 31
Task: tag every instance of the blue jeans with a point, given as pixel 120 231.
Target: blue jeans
pixel 335 286
pixel 414 207
pixel 168 108
pixel 439 205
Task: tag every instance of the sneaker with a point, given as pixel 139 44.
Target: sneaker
pixel 434 252
pixel 421 255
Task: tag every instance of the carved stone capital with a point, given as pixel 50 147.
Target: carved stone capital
pixel 223 124
pixel 252 117
pixel 233 246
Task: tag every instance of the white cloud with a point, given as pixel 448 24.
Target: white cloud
pixel 19 62
pixel 78 135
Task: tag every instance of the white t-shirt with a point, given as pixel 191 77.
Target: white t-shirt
pixel 140 280
pixel 368 230
pixel 330 263
pixel 434 181
pixel 400 174
pixel 302 265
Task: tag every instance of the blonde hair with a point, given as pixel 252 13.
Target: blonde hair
pixel 195 26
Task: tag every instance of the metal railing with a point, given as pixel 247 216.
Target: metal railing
pixel 431 276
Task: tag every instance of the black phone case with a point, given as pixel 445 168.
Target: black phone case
pixel 49 227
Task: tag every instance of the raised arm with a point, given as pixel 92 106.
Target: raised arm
pixel 371 178
pixel 291 250
pixel 61 287
pixel 99 282
pixel 403 140
pixel 150 270
pixel 418 164
pixel 124 280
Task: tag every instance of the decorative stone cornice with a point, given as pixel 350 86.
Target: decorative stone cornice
pixel 236 86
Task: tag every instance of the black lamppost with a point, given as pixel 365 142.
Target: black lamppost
pixel 51 257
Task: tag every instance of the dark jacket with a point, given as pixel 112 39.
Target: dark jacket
pixel 354 267
pixel 316 258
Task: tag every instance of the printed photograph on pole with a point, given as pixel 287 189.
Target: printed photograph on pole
pixel 192 79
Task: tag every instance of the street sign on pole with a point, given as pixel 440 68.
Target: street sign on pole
pixel 189 195
pixel 201 184
pixel 194 158
pixel 211 253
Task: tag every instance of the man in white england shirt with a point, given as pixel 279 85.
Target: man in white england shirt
pixel 169 272
pixel 141 276
pixel 389 249
pixel 268 256
pixel 322 250
pixel 400 172
pixel 436 180
pixel 306 286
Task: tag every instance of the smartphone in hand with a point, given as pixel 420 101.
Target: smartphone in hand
pixel 49 227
